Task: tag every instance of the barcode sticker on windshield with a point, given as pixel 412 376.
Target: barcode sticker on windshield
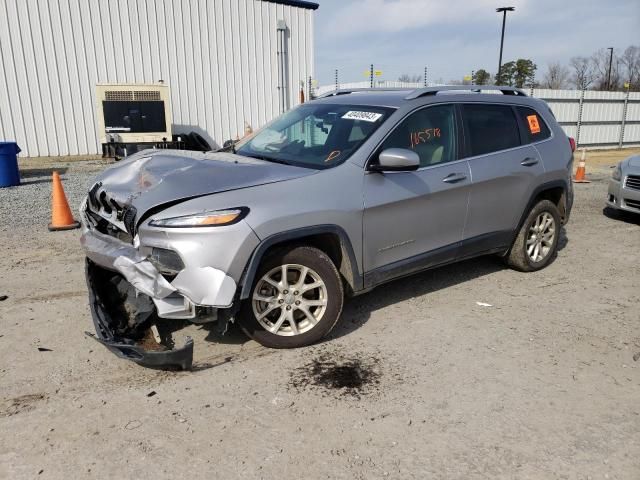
pixel 365 116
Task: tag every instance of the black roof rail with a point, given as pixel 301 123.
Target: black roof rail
pixel 347 91
pixel 421 92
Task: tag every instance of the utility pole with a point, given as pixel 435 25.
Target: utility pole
pixel 609 72
pixel 371 76
pixel 504 11
pixel 425 76
pixel 336 79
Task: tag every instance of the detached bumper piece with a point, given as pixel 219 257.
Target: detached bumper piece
pixel 180 359
pixel 123 320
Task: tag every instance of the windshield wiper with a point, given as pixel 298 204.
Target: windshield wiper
pixel 266 159
pixel 229 148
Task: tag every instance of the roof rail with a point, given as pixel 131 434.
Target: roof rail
pixel 421 92
pixel 347 91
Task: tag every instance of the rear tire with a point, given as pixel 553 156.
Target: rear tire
pixel 298 311
pixel 536 244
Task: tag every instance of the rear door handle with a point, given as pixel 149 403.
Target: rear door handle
pixel 529 162
pixel 454 178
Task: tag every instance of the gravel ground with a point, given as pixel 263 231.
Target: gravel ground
pixel 29 204
pixel 417 381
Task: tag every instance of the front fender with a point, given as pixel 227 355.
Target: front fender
pixel 355 281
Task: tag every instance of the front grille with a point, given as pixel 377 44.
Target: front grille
pixel 633 182
pixel 632 203
pixel 129 219
pixel 103 226
pixel 109 217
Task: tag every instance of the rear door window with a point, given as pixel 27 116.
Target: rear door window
pixel 534 127
pixel 490 128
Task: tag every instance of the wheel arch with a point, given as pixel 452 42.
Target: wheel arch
pixel 555 191
pixel 331 239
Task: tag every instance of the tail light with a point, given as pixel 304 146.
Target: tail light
pixel 572 142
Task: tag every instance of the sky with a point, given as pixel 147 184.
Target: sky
pixel 453 37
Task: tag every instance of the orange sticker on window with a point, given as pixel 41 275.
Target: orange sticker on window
pixel 534 126
pixel 333 155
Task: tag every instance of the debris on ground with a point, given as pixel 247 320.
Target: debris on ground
pixel 483 304
pixel 133 424
pixel 3 298
pixel 23 403
pixel 43 349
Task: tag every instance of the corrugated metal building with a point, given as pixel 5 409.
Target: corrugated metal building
pixel 219 57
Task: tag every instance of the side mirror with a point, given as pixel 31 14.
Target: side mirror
pixel 396 160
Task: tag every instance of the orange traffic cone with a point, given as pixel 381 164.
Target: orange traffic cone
pixel 581 172
pixel 61 218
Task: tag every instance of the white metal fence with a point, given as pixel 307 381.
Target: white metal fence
pixel 594 119
pixel 377 83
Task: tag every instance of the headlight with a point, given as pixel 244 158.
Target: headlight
pixel 203 219
pixel 617 173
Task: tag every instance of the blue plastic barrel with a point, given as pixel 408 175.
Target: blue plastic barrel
pixel 9 173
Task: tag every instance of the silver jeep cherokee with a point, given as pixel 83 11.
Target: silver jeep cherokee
pixel 334 197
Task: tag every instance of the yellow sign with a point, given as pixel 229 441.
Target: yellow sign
pixel 467 78
pixel 376 73
pixel 626 84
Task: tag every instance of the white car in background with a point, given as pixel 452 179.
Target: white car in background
pixel 624 186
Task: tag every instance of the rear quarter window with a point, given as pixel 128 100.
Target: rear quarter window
pixel 490 128
pixel 534 127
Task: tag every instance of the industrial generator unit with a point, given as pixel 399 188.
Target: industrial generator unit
pixel 132 117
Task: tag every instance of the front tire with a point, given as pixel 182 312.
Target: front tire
pixel 296 299
pixel 536 244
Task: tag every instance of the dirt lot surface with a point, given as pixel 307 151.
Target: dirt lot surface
pixel 418 381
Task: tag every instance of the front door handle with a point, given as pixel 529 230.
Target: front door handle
pixel 454 178
pixel 529 162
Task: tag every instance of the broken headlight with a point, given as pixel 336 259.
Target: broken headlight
pixel 203 219
pixel 167 262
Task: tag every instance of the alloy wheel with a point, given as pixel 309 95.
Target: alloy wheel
pixel 541 236
pixel 289 300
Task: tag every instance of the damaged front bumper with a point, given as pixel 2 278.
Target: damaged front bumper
pixel 115 330
pixel 128 298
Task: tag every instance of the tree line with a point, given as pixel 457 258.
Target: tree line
pixel 603 70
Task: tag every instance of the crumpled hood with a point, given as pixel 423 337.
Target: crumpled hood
pixel 152 178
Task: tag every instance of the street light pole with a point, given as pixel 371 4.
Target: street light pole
pixel 504 11
pixel 609 72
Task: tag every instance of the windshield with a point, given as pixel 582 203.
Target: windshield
pixel 315 135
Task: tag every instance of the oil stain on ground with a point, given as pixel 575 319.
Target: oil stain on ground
pixel 353 376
